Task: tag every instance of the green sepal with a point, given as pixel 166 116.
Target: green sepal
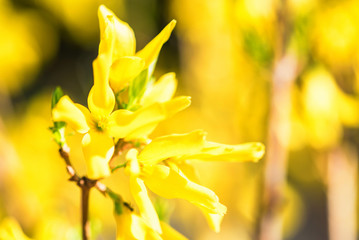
pixel 56 95
pixel 117 201
pixel 137 88
pixel 58 132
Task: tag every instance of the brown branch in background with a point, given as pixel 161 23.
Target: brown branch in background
pixel 284 74
pixel 342 193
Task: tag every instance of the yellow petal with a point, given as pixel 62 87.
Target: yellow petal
pixel 176 105
pixel 143 201
pixel 124 38
pixel 124 122
pixel 167 183
pixel 101 99
pixel 214 219
pixel 171 233
pixel 98 149
pixel 162 91
pixel 221 152
pixel 150 52
pixel 107 26
pixel 172 146
pixel 123 70
pixel 130 226
pixel 132 167
pixel 67 111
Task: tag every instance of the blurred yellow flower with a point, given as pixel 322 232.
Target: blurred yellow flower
pixel 11 230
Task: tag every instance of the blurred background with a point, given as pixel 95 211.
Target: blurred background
pixel 283 72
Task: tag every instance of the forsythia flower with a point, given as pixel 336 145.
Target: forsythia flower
pixel 100 123
pixel 11 230
pixel 167 179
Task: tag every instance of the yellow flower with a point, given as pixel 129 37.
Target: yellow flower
pixel 126 63
pixel 168 180
pixel 101 124
pixel 131 226
pixel 11 230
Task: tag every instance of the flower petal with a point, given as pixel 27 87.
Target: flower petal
pixel 168 183
pixel 236 153
pixel 124 38
pixel 175 145
pixel 101 99
pixel 129 226
pixel 67 111
pixel 150 52
pixel 171 233
pixel 176 105
pixel 98 149
pixel 162 91
pixel 123 122
pixel 143 201
pixel 214 219
pixel 123 70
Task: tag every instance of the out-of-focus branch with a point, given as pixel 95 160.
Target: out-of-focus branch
pixel 342 194
pixel 284 74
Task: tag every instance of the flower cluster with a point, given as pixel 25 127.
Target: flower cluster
pixel 125 105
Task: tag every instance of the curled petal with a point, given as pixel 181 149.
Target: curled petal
pixel 162 91
pixel 171 233
pixel 98 149
pixel 150 52
pixel 221 152
pixel 143 201
pixel 175 145
pixel 168 183
pixel 123 36
pixel 123 70
pixel 130 226
pixel 67 111
pixel 101 99
pixel 123 122
pixel 214 219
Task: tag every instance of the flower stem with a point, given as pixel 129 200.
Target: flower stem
pixel 85 193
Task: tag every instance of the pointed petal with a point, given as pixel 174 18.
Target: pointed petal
pixel 67 111
pixel 129 226
pixel 101 99
pixel 234 153
pixel 175 145
pixel 123 122
pixel 150 52
pixel 145 206
pixel 214 219
pixel 122 35
pixel 176 105
pixel 171 233
pixel 162 91
pixel 98 149
pixel 171 184
pixel 123 70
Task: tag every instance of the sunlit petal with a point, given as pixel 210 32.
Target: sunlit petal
pixel 172 146
pixel 143 201
pixel 162 91
pixel 124 38
pixel 236 153
pixel 176 105
pixel 168 183
pixel 66 110
pixel 150 52
pixel 129 226
pixel 170 233
pixel 214 219
pixel 101 99
pixel 98 149
pixel 123 70
pixel 124 122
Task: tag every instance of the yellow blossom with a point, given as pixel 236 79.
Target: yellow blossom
pixel 126 63
pixel 167 179
pixel 11 230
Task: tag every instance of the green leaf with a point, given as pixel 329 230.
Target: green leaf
pixel 137 88
pixel 56 95
pixel 117 201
